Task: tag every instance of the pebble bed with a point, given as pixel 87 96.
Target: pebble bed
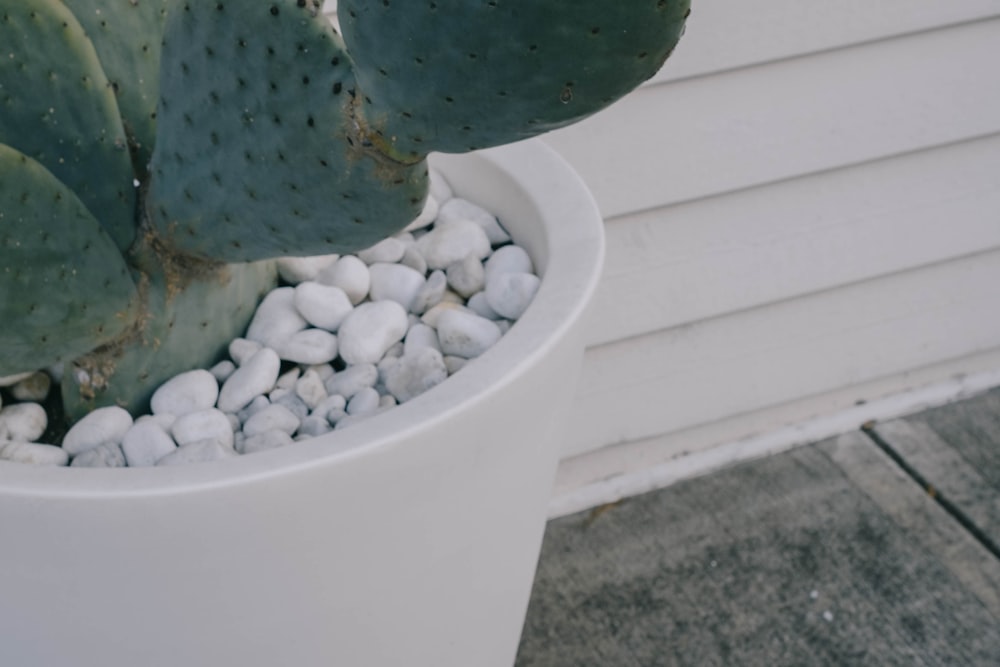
pixel 342 339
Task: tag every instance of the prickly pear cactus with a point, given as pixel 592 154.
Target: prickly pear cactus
pixel 155 153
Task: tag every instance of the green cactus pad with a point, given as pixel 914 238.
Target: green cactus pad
pixel 186 328
pixel 257 154
pixel 127 35
pixel 56 106
pixel 64 286
pixel 457 75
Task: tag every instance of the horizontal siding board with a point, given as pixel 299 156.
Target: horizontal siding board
pixel 705 258
pixel 701 137
pixel 729 34
pixel 694 374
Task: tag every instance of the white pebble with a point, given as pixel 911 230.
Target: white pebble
pixel 431 293
pixel 33 453
pixel 296 270
pixel 323 370
pixel 454 364
pixel 467 276
pixel 465 334
pixel 313 426
pixel 370 330
pixel 222 370
pixel 510 294
pixel 446 244
pixel 363 402
pixel 349 274
pixel 211 424
pixel 430 318
pixel 415 373
pixel 108 455
pixel 387 250
pixel 255 406
pixel 276 318
pixel 456 209
pixel 200 451
pixel 312 346
pixel 322 306
pixel 11 380
pixel 264 441
pixel 290 400
pixel 395 282
pixel 420 336
pixel 271 418
pixel 35 387
pixel 336 402
pixel 96 428
pixel 508 259
pixel 257 376
pixel 288 379
pixel 241 350
pixel 146 443
pixel 352 379
pixel 413 259
pixel 23 422
pixel 478 304
pixel 184 393
pixel 310 388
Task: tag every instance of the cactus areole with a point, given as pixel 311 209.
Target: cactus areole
pixel 155 154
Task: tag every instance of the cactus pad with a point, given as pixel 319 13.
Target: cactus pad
pixel 57 107
pixel 64 286
pixel 126 35
pixel 456 75
pixel 256 153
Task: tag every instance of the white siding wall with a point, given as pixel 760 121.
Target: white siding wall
pixel 803 213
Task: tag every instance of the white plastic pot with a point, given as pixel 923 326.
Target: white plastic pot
pixel 407 540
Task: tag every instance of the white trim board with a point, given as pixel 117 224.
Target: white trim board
pixel 609 475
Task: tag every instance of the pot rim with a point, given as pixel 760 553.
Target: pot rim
pixel 572 252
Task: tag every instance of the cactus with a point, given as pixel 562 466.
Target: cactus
pixel 156 154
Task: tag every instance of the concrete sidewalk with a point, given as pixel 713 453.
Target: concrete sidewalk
pixel 875 548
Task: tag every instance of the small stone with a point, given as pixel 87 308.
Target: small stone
pixel 413 259
pixel 146 443
pixel 96 428
pixel 336 402
pixel 447 244
pixel 363 402
pixel 427 215
pixel 510 294
pixel 108 455
pixel 312 346
pixel 314 426
pixel 295 270
pixel 454 364
pixel 287 380
pixel 23 422
pixel 11 380
pixel 33 453
pixel 349 274
pixel 395 282
pixel 322 306
pixel 204 425
pixel 465 334
pixel 187 392
pixel 323 370
pixel 430 318
pixel 33 388
pixel 255 406
pixel 388 250
pixel 264 441
pixel 387 401
pixel 291 401
pixel 415 373
pixel 458 209
pixel 370 330
pixel 257 376
pixel 310 388
pixel 271 418
pixel 352 379
pixel 222 370
pixel 276 319
pixel 420 336
pixel 508 259
pixel 478 304
pixel 430 293
pixel 200 451
pixel 467 276
pixel 241 350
